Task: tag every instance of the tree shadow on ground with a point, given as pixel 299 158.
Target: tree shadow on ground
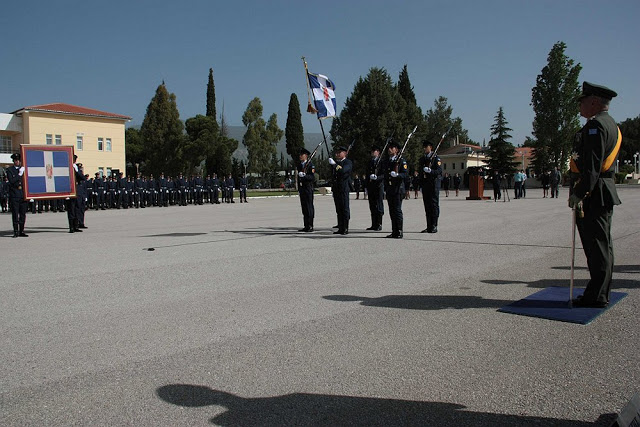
pixel 307 409
pixel 423 302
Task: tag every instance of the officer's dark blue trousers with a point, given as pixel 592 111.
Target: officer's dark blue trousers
pixel 395 196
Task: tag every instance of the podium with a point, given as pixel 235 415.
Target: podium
pixel 476 184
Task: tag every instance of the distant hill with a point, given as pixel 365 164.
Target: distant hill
pixel 237 132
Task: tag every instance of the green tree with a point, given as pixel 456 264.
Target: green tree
pixel 203 134
pixel 135 148
pixel 501 152
pixel 261 137
pixel 211 96
pixel 162 133
pixel 372 112
pixel 293 130
pixel 630 129
pixel 556 111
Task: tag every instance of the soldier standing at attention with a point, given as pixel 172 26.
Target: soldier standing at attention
pixel 230 184
pixel 17 204
pixel 341 172
pixel 306 178
pixel 215 185
pixel 593 189
pixel 396 173
pixel 242 183
pixel 431 167
pixel 375 190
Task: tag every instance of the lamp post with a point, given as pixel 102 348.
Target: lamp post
pixel 635 162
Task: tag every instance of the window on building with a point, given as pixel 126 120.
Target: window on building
pixel 79 142
pixel 49 139
pixel 462 165
pixel 100 144
pixel 444 166
pixel 108 172
pixel 101 170
pixel 5 144
pixel 108 144
pixel 58 139
pixel 453 165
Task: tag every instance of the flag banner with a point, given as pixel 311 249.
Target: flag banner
pixel 324 98
pixel 48 171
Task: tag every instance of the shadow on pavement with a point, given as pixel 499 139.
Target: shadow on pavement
pixel 616 268
pixel 545 283
pixel 423 302
pixel 298 409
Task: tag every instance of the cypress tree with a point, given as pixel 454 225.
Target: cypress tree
pixel 294 133
pixel 211 96
pixel 501 152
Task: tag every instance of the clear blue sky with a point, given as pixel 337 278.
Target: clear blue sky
pixel 479 54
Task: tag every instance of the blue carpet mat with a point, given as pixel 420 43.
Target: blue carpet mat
pixel 552 303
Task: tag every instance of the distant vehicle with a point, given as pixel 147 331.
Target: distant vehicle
pixel 257 185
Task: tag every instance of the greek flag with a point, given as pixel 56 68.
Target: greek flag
pixel 48 172
pixel 324 98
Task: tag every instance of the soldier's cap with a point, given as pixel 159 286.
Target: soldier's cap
pixel 16 156
pixel 590 89
pixel 375 148
pixel 394 145
pixel 426 143
pixel 75 157
pixel 341 148
pixel 97 173
pixel 304 151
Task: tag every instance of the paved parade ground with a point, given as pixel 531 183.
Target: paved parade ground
pixel 235 318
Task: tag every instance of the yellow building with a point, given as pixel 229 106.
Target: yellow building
pixel 97 136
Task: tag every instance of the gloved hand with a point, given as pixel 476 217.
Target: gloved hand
pixel 373 176
pixel 427 169
pixel 332 162
pixel 75 167
pixel 575 202
pixel 394 174
pixel 301 174
pixel 21 171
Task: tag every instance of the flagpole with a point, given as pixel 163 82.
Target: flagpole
pixel 310 108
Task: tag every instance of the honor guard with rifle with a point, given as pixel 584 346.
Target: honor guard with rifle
pixel 374 182
pixel 17 204
pixel 395 175
pixel 593 190
pixel 306 179
pixel 341 173
pixel 431 174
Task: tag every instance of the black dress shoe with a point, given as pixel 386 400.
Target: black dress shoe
pixel 335 226
pixel 77 230
pixel 373 227
pixel 338 232
pixel 392 236
pixel 22 234
pixel 434 230
pixel 303 229
pixel 580 302
pixel 379 228
pixel 398 236
pixel 309 230
pixel 345 232
pixel 426 230
pixel 82 226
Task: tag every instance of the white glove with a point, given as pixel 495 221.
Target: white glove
pixel 21 171
pixel 301 174
pixel 332 162
pixel 75 167
pixel 373 176
pixel 427 169
pixel 394 174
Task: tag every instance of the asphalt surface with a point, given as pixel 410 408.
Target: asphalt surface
pixel 235 318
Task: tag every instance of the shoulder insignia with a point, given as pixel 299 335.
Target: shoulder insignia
pixel 338 167
pixel 313 170
pixel 593 131
pixel 439 162
pixel 405 166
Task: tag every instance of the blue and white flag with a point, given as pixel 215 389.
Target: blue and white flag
pixel 324 98
pixel 49 173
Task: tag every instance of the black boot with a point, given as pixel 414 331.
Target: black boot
pixel 374 222
pixel 72 229
pixel 428 229
pixel 310 224
pixel 15 230
pixel 434 225
pixel 345 227
pixel 22 233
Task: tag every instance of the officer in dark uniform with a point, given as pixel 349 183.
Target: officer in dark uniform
pixel 341 173
pixel 17 204
pixel 306 179
pixel 593 189
pixel 81 196
pixel 215 187
pixel 73 205
pixel 4 194
pixel 182 190
pixel 162 191
pixel 431 168
pixel 112 186
pixel 242 185
pixel 230 184
pixel 375 187
pixel 395 174
pixel 198 188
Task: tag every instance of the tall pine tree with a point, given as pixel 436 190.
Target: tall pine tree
pixel 261 137
pixel 162 132
pixel 556 110
pixel 211 96
pixel 293 131
pixel 501 152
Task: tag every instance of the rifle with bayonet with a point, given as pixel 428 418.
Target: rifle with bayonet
pixel 404 147
pixel 351 146
pixel 311 157
pixel 384 149
pixel 435 152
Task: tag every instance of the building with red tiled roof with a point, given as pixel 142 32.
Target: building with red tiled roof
pixel 97 136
